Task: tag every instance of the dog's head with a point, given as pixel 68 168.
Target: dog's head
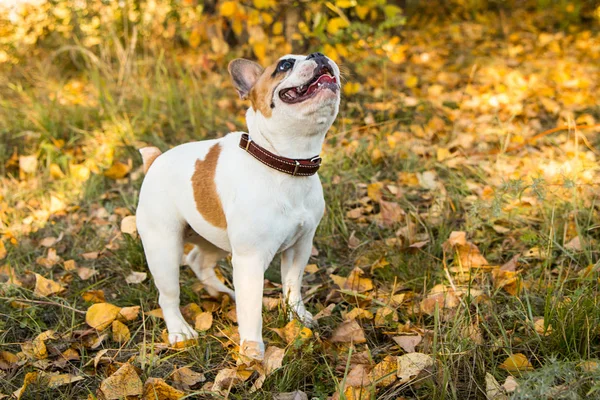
pixel 300 92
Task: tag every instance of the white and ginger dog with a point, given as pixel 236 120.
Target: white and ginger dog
pixel 252 195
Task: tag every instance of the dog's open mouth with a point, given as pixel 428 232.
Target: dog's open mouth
pixel 323 79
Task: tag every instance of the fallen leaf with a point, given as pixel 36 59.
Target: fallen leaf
pixel 91 255
pixel 516 363
pixel 273 359
pixel 28 164
pixel 326 312
pixel 101 315
pixel 293 330
pixel 203 321
pixel 358 313
pixel 120 332
pixel 3 251
pixel 70 265
pixel 391 213
pixel 8 360
pixel 270 303
pixel 385 315
pixel 493 390
pixel 136 277
pixel 510 384
pixel 50 260
pixel 56 380
pixel 185 377
pixel 441 297
pixel 297 395
pixel 46 287
pixel 117 171
pixel 30 377
pixel 384 373
pixel 94 296
pixel 311 268
pixel 128 225
pixel 540 327
pixel 359 375
pixel 129 313
pixel 348 332
pixel 158 389
pixel 36 349
pixel 408 343
pixel 156 313
pixel 85 273
pixel 124 382
pixel 411 365
pixel 229 377
pixel 50 240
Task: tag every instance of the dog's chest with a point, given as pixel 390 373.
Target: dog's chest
pixel 298 213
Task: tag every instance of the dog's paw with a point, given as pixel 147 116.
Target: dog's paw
pixel 251 351
pixel 305 317
pixel 181 333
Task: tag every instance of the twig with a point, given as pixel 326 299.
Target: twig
pixel 44 302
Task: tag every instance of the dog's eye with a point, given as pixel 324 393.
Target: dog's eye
pixel 285 65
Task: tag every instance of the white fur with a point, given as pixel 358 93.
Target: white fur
pixel 267 212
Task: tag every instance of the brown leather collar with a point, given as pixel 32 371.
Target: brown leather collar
pixel 291 166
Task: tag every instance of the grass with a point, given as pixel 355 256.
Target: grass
pixel 70 113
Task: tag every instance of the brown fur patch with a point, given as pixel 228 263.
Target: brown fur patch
pixel 261 93
pixel 207 199
pixel 149 154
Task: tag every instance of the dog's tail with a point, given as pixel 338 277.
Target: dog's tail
pixel 149 154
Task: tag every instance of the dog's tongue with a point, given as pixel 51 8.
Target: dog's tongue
pixel 322 80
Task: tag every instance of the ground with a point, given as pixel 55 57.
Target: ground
pixel 461 232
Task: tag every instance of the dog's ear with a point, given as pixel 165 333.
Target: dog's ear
pixel 244 73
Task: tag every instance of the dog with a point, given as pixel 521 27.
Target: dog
pixel 253 195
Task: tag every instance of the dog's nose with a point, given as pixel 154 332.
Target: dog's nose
pixel 315 55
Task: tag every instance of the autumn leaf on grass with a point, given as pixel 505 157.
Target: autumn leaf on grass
pixel 408 343
pixel 129 313
pixel 507 277
pixel 297 395
pixel 385 315
pixel 348 332
pixel 203 321
pixel 229 377
pixel 124 382
pixel 3 251
pixel 36 349
pixel 30 377
pixel 120 332
pixel 157 388
pixel 353 282
pixel 441 297
pixel 292 331
pixel 493 390
pixel 185 377
pixel 46 287
pixel 136 277
pixel 516 363
pixel 359 376
pixel 50 260
pixel 411 365
pixel 7 360
pixel 357 313
pixel 117 171
pixel 128 225
pixel 467 253
pixel 101 315
pixel 94 296
pixel 272 361
pixel 384 373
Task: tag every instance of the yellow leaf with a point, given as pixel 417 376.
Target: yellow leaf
pixel 385 315
pixel 362 11
pixel 228 8
pixel 30 377
pixel 262 4
pixel 101 315
pixel 124 382
pixel 358 313
pixel 384 373
pixel 3 251
pixel 56 172
pixel 46 287
pixel 70 265
pixel 260 50
pixel 411 365
pixel 203 321
pixel 311 268
pixel 277 28
pixel 7 360
pixel 335 24
pixel 129 313
pixel 94 296
pixel 374 191
pixel 80 172
pixel 356 283
pixel 516 363
pixel 345 3
pixel 157 388
pixel 194 39
pixel 411 81
pixel 28 164
pixel 117 171
pixel 351 88
pixel 229 377
pixel 120 332
pixel 57 380
pixel 292 331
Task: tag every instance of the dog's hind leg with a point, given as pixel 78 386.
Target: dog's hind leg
pixel 163 245
pixel 202 261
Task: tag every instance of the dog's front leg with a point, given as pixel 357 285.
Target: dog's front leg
pixel 293 263
pixel 248 281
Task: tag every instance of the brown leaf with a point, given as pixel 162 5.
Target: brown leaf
pixel 120 332
pixel 411 365
pixel 101 315
pixel 46 287
pixel 516 363
pixel 229 377
pixel 85 273
pixel 292 331
pixel 408 343
pixel 185 377
pixel 124 382
pixel 158 389
pixel 391 213
pixel 203 321
pixel 50 260
pixel 297 395
pixel 439 296
pixel 92 255
pixel 9 276
pixel 326 312
pixel 56 380
pixel 348 332
pixel 493 390
pixel 70 265
pixel 273 359
pixel 359 376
